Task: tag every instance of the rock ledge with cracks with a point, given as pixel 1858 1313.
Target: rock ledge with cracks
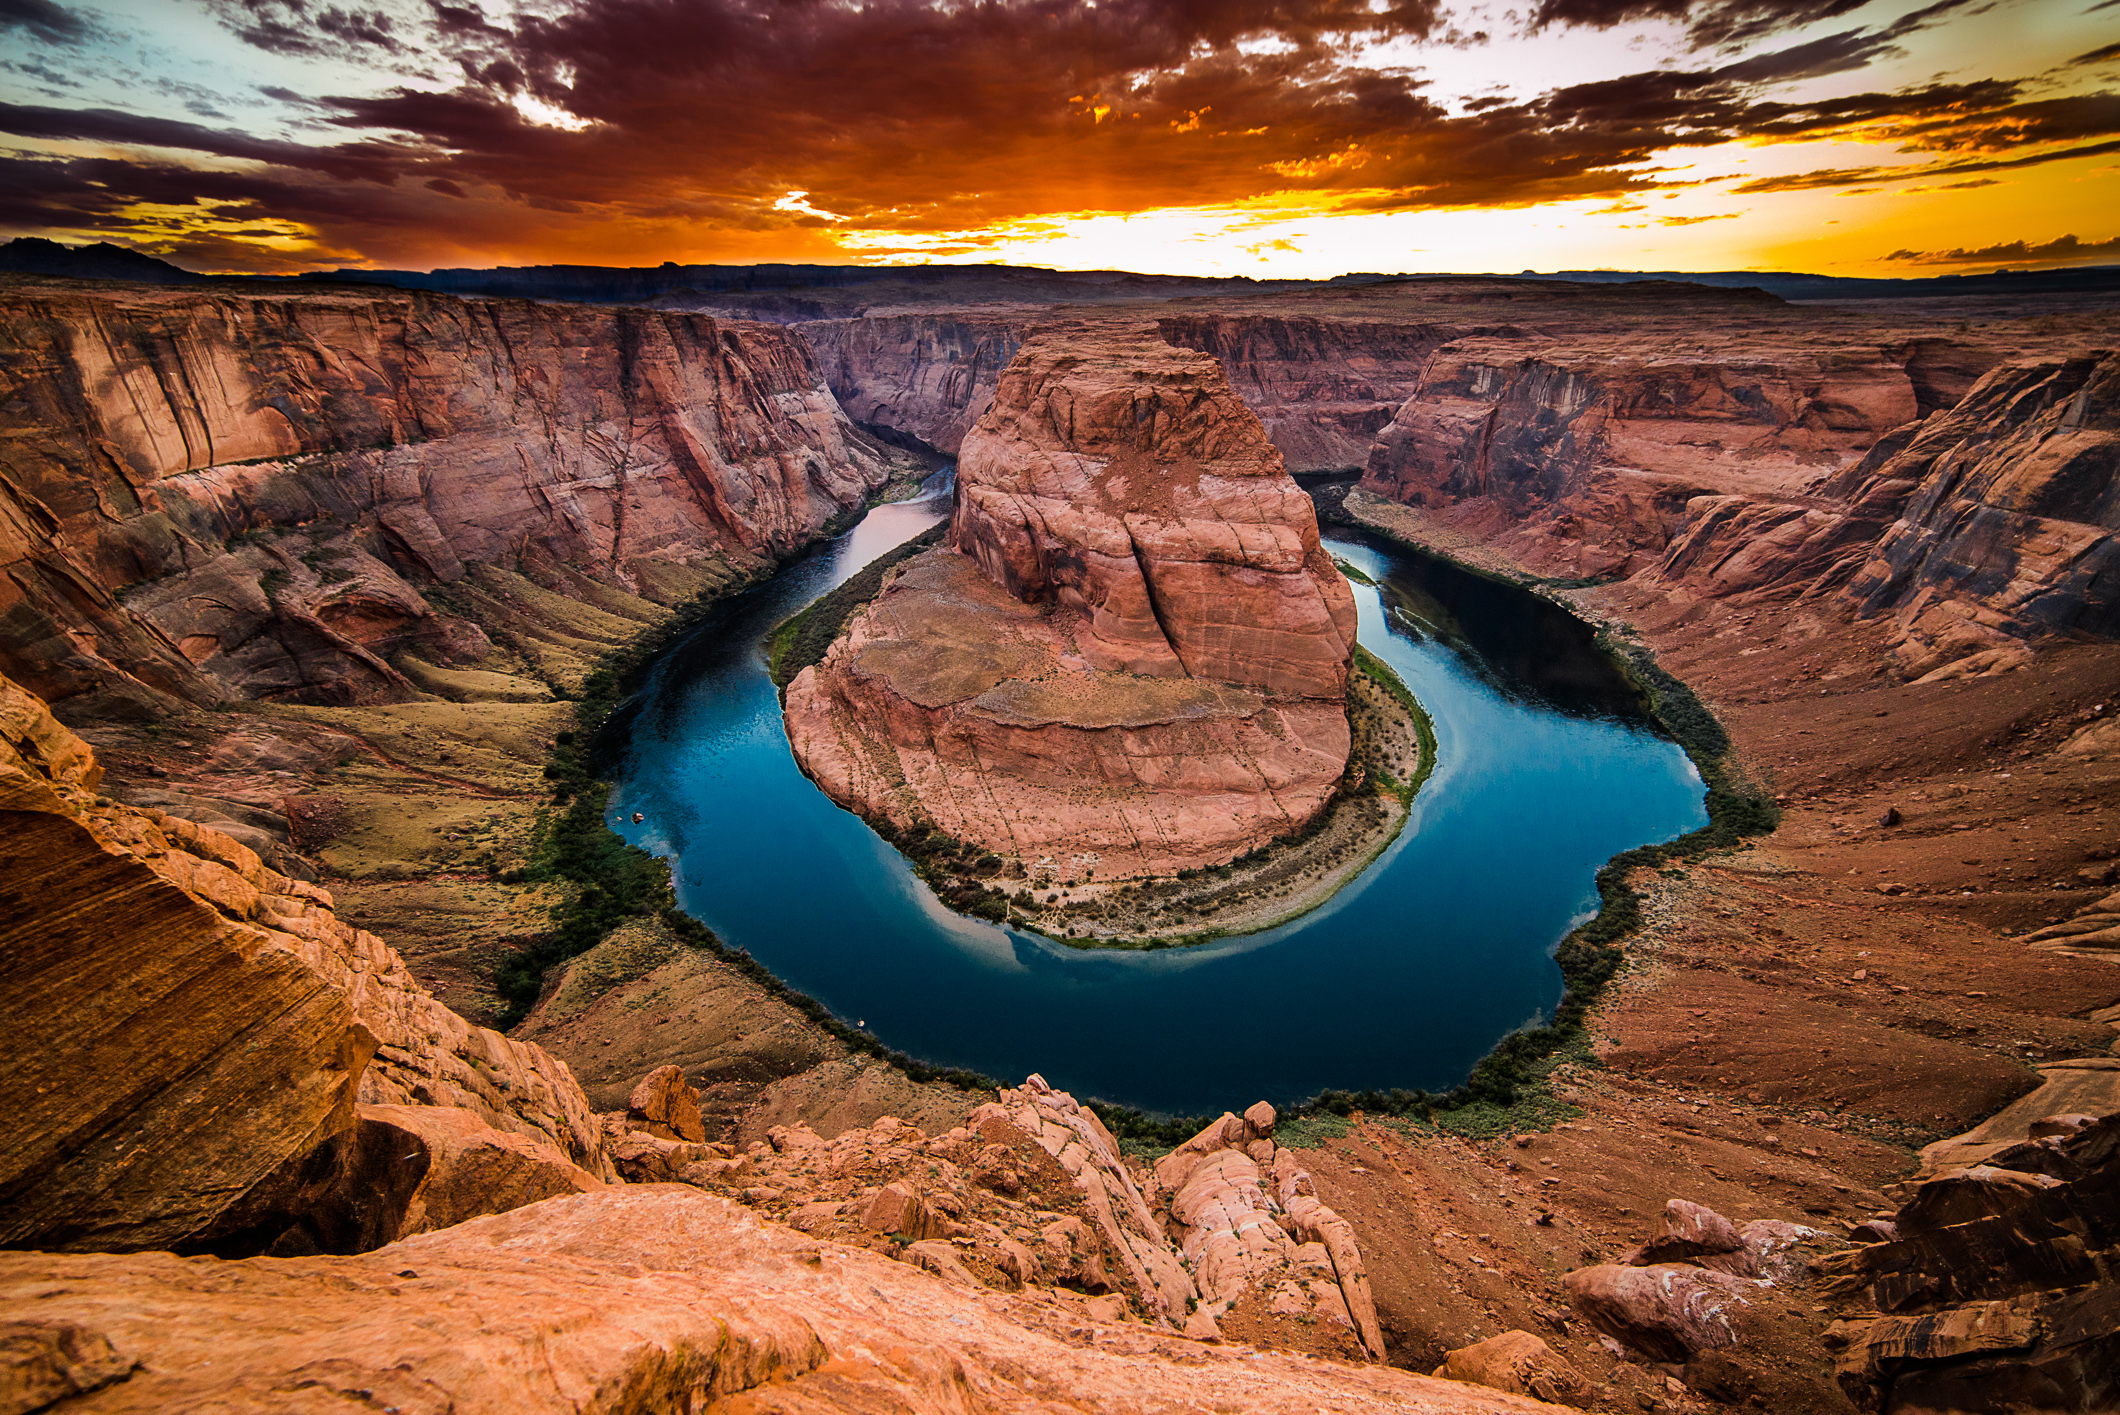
pixel 1130 658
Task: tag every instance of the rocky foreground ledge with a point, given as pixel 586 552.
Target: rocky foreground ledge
pixel 1131 657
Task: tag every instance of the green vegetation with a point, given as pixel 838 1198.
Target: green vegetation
pixel 1510 1087
pixel 1310 1130
pixel 609 881
pixel 803 641
pixel 1352 571
pixel 1423 725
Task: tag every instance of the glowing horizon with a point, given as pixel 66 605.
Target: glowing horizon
pixel 1281 139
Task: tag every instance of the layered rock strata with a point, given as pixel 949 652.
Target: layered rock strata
pixel 1993 1285
pixel 170 440
pixel 1324 388
pixel 190 1034
pixel 1969 503
pixel 919 378
pixel 1130 657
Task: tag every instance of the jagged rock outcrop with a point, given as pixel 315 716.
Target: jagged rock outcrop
pixel 631 1299
pixel 919 378
pixel 1131 655
pixel 186 1029
pixel 169 440
pixel 1246 1216
pixel 2007 529
pixel 1997 1292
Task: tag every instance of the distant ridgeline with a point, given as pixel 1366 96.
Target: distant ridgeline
pixel 617 284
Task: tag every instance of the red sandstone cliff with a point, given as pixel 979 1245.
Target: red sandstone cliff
pixel 1132 655
pixel 1771 461
pixel 1324 388
pixel 923 378
pixel 201 1056
pixel 163 439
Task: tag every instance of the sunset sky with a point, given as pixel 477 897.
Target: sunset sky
pixel 1260 137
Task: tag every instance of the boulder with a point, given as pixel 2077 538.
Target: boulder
pixel 1693 1233
pixel 43 1362
pixel 896 1209
pixel 1980 1192
pixel 1517 1362
pixel 399 1171
pixel 469 1167
pixel 645 1158
pixel 1667 1313
pixel 940 1259
pixel 665 1104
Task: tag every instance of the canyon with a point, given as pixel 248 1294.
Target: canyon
pixel 1131 655
pixel 1875 540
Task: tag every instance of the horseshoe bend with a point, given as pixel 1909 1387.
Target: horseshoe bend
pixel 1129 657
pixel 525 812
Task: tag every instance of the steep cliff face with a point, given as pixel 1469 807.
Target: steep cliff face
pixel 187 1032
pixel 169 440
pixel 2010 503
pixel 1324 387
pixel 1971 503
pixel 922 378
pixel 1589 462
pixel 1130 658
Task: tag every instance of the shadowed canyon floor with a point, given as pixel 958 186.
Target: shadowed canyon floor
pixel 1795 1020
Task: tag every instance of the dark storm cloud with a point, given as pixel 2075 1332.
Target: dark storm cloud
pixel 2067 250
pixel 1855 176
pixel 912 117
pixel 1716 22
pixel 48 22
pixel 365 161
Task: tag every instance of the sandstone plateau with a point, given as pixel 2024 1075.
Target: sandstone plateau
pixel 1131 655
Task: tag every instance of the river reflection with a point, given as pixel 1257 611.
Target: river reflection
pixel 1406 978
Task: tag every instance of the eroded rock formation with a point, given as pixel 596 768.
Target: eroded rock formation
pixel 1247 1218
pixel 1131 655
pixel 1993 1287
pixel 925 378
pixel 1324 388
pixel 187 1031
pixel 636 1298
pixel 172 440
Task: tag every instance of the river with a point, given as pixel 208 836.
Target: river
pixel 1545 769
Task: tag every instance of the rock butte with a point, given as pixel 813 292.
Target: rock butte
pixel 1131 655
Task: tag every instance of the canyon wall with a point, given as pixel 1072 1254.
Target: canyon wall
pixel 1132 654
pixel 164 444
pixel 195 1042
pixel 1586 461
pixel 924 379
pixel 1964 495
pixel 1324 388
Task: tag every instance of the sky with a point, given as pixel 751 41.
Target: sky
pixel 1270 138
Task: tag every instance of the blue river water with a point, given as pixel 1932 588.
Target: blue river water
pixel 1545 769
